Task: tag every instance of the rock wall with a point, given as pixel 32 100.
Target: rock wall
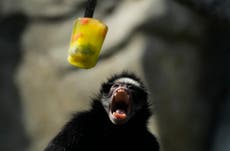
pixel 180 52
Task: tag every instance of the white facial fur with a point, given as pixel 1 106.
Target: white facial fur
pixel 128 81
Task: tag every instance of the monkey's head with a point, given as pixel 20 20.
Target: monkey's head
pixel 123 95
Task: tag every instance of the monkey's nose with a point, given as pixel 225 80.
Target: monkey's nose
pixel 123 86
pixel 121 90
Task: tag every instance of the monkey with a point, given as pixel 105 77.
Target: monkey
pixel 117 120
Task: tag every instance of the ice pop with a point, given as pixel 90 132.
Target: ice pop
pixel 87 39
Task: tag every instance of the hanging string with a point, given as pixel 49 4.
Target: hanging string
pixel 90 8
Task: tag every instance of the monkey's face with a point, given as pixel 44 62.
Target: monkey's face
pixel 122 98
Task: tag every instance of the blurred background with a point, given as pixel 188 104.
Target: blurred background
pixel 180 48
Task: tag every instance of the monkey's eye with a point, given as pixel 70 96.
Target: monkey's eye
pixel 130 86
pixel 115 85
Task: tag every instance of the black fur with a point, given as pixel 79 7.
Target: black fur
pixel 93 129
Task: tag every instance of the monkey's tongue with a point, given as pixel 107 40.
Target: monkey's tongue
pixel 119 114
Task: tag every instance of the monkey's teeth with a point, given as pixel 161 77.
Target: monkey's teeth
pixel 119 114
pixel 119 111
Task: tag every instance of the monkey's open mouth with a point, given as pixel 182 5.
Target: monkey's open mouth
pixel 120 107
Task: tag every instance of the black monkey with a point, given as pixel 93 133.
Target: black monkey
pixel 117 120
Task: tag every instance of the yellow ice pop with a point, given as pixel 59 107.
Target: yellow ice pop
pixel 86 41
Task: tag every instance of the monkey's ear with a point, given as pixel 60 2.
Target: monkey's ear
pixel 105 88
